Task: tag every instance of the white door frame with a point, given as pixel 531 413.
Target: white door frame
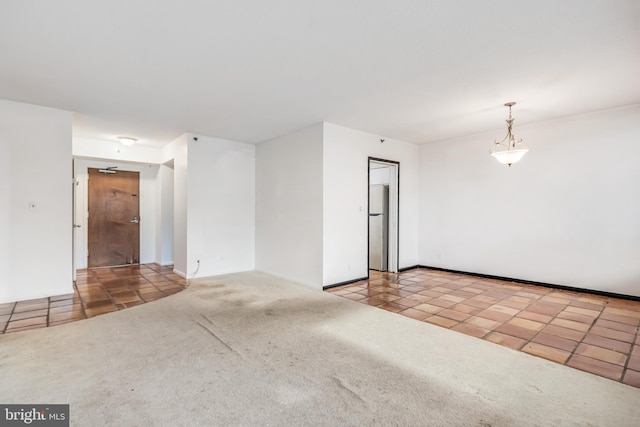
pixel 73 218
pixel 394 211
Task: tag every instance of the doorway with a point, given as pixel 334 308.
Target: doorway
pixel 383 210
pixel 113 217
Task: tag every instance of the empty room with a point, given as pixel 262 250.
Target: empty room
pixel 320 213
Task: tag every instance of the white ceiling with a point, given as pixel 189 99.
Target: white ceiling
pixel 250 70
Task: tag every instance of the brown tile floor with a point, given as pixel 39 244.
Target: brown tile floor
pixel 96 291
pixel 592 333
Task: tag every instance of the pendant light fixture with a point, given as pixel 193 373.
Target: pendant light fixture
pixel 508 151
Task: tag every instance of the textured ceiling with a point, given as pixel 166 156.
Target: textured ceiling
pixel 250 70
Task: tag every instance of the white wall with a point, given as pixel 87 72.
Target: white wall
pixel 164 215
pixel 345 223
pixel 177 151
pixel 567 214
pixel 289 206
pixel 148 206
pixel 220 207
pixel 35 166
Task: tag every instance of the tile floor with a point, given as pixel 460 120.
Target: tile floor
pixel 96 291
pixel 592 333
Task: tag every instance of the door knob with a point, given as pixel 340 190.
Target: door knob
pixel 135 220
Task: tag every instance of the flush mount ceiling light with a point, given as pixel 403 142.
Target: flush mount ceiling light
pixel 127 140
pixel 508 151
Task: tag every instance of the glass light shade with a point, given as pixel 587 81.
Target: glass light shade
pixel 508 157
pixel 125 140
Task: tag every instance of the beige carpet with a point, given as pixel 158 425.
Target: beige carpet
pixel 251 349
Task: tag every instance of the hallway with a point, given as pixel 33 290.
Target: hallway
pixel 97 291
pixel 593 333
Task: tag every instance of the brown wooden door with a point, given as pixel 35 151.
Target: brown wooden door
pixel 114 217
